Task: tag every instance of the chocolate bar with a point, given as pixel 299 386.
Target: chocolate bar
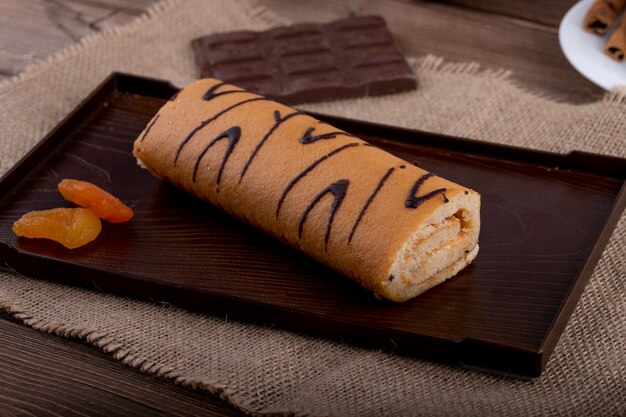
pixel 309 62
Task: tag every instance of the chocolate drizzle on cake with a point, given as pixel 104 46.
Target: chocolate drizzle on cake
pixel 413 200
pixel 205 122
pixel 211 94
pixel 307 137
pixel 232 135
pixel 369 201
pixel 145 132
pixel 338 190
pixel 278 121
pixel 309 169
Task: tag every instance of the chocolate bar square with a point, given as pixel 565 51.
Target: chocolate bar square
pixel 309 62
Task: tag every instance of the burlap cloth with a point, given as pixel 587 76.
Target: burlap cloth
pixel 264 371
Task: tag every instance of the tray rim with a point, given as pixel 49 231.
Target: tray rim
pixel 584 162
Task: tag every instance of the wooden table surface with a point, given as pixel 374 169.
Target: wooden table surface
pixel 46 375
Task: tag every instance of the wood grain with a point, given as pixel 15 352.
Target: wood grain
pixel 541 11
pixel 44 375
pixel 32 29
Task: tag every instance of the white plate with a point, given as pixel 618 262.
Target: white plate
pixel 584 50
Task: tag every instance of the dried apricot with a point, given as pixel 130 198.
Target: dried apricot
pixel 88 195
pixel 71 227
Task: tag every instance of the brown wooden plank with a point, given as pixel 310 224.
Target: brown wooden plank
pixel 44 375
pixel 33 29
pixel 530 49
pixel 541 11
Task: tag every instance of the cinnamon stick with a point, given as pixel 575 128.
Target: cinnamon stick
pixel 602 14
pixel 615 46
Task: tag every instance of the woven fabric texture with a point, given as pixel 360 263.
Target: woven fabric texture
pixel 265 371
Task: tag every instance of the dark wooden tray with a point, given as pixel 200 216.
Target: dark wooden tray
pixel 546 219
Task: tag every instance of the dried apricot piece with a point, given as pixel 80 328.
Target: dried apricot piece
pixel 88 195
pixel 71 227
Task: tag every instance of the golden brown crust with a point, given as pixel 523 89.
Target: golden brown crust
pixel 261 162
